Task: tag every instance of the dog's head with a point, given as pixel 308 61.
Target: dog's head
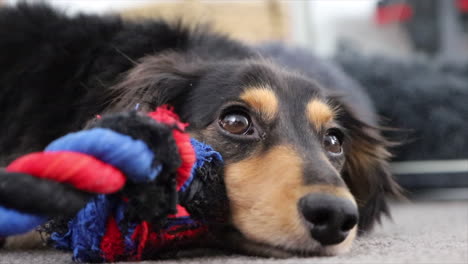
pixel 303 172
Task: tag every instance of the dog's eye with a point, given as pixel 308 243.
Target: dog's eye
pixel 332 142
pixel 235 122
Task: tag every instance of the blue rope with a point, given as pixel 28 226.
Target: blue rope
pixel 86 230
pixel 204 153
pixel 132 157
pixel 13 222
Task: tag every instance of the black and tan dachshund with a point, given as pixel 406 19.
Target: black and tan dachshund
pixel 306 166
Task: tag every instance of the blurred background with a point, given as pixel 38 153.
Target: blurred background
pixel 391 27
pixel 410 55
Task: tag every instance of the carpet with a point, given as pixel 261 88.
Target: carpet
pixel 421 232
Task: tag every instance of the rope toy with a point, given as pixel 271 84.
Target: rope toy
pixel 127 188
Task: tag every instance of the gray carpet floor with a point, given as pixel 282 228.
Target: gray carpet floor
pixel 421 232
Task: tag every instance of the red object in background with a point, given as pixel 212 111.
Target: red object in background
pixel 462 5
pixel 399 12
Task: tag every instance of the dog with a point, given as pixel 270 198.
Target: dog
pixel 306 165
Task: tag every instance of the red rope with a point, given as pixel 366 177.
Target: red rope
pixel 112 244
pixel 141 234
pixel 80 170
pixel 165 114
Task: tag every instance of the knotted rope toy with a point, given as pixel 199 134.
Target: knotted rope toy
pixel 127 188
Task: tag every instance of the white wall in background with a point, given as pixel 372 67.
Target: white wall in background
pixel 320 24
pixel 314 22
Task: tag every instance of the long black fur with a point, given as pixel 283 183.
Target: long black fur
pixel 59 69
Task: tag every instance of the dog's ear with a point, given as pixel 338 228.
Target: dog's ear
pixel 154 81
pixel 367 171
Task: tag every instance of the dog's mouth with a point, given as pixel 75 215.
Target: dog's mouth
pixel 238 243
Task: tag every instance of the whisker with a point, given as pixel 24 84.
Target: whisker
pixel 125 56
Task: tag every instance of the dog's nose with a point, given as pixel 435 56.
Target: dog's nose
pixel 330 217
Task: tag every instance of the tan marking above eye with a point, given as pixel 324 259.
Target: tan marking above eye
pixel 319 113
pixel 262 100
